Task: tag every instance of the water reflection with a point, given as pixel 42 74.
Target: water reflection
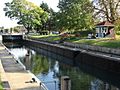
pixel 49 68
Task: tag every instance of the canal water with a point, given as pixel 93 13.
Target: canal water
pixel 49 68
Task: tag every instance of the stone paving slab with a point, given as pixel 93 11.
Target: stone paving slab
pixel 14 73
pixel 2 73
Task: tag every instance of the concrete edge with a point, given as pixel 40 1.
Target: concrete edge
pixel 33 76
pixel 3 76
pixel 2 72
pixel 37 80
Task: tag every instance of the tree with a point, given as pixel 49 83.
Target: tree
pixel 107 9
pixel 2 29
pixel 49 24
pixel 75 14
pixel 117 26
pixel 27 13
pixel 45 6
pixel 18 29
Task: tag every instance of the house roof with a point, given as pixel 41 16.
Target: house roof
pixel 105 23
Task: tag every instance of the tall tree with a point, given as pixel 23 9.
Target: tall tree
pixel 27 13
pixel 75 14
pixel 107 9
pixel 49 24
pixel 45 6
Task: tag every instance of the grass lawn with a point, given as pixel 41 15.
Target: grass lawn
pixel 42 36
pixel 105 42
pixel 50 38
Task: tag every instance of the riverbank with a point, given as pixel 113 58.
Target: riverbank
pixel 13 74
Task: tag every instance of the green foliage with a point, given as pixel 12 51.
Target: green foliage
pixel 79 80
pixel 45 7
pixel 49 24
pixel 110 44
pixel 117 26
pixel 41 64
pixel 75 15
pixel 27 14
pixel 16 29
pixel 106 42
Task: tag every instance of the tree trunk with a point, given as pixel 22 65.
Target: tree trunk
pixel 28 30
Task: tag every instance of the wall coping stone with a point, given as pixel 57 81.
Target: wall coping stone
pixel 94 48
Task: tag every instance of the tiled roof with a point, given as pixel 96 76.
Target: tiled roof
pixel 104 23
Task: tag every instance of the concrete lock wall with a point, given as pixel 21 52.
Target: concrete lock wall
pixel 82 56
pixel 99 61
pixel 94 48
pixel 61 50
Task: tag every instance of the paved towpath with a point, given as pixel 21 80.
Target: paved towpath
pixel 14 73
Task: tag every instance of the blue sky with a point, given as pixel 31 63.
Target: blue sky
pixel 7 23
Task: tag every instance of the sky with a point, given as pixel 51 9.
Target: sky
pixel 7 23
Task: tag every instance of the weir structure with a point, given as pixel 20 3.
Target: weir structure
pixel 11 37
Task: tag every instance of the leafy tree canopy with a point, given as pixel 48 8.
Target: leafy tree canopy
pixel 49 24
pixel 75 14
pixel 106 9
pixel 27 13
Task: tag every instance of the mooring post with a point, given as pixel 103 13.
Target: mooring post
pixel 65 83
